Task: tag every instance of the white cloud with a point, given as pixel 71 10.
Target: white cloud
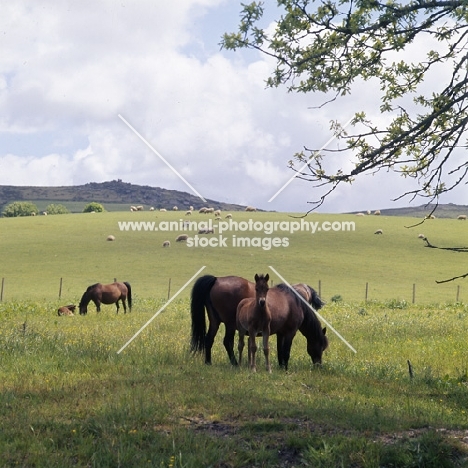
pixel 68 69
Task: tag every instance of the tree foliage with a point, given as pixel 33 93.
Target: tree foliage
pixel 93 207
pixel 20 208
pixel 329 46
pixel 53 209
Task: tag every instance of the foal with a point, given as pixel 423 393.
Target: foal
pixel 253 317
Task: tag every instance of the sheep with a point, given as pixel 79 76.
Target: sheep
pixel 133 208
pixel 188 213
pixel 377 212
pixel 181 237
pixel 152 208
pixel 140 208
pixel 217 212
pixel 166 244
pixel 360 214
pixel 202 210
pixel 228 216
pixel 379 231
pixel 250 208
pixel 163 210
pixel 462 217
pixel 175 208
pixel 421 236
pixel 191 208
pixel 110 238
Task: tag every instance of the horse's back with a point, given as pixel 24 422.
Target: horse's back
pixel 227 293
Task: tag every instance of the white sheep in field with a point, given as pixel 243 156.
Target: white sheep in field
pixel 110 238
pixel 188 213
pixel 133 208
pixel 250 208
pixel 152 208
pixel 377 212
pixel 463 217
pixel 181 238
pixel 379 231
pixel 163 210
pixel 175 208
pixel 360 214
pixel 140 208
pixel 421 236
pixel 228 216
pixel 217 212
pixel 166 244
pixel 203 210
pixel 191 208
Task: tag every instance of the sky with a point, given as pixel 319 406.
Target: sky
pixel 139 90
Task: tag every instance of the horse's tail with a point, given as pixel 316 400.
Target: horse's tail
pixel 200 293
pixel 129 294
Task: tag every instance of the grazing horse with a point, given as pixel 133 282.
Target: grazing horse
pixel 253 317
pixel 107 294
pixel 220 297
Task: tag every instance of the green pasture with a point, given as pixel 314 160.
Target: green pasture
pixel 69 399
pixel 38 253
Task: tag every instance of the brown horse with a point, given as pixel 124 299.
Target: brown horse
pixel 220 297
pixel 253 318
pixel 107 294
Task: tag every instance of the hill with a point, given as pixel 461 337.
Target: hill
pixel 449 210
pixel 114 195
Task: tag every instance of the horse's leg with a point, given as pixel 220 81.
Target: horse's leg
pixel 252 350
pixel 97 303
pixel 240 345
pixel 210 336
pixel 229 344
pixel 287 350
pixel 117 306
pixel 124 305
pixel 266 348
pixel 279 349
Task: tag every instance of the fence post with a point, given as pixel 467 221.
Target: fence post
pixel 60 289
pixel 169 290
pixel 320 288
pixel 1 290
pixel 458 292
pixel 414 293
pixel 367 290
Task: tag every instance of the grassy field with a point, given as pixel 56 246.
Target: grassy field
pixel 68 399
pixel 38 251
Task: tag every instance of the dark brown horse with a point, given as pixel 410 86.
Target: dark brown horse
pixel 107 294
pixel 253 318
pixel 220 297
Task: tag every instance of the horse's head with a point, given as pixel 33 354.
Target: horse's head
pixel 261 288
pixel 83 308
pixel 316 347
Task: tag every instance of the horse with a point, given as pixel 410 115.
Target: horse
pixel 66 310
pixel 220 297
pixel 107 294
pixel 253 317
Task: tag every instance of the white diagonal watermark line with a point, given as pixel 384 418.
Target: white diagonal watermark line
pixel 304 166
pixel 161 309
pixel 318 315
pixel 160 157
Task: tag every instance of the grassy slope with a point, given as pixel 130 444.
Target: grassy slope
pixel 38 251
